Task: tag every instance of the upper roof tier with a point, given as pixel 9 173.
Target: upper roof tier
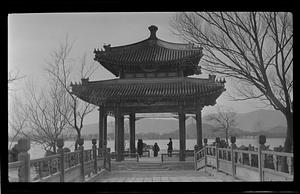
pixel 152 53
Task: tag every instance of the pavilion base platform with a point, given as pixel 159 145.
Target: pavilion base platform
pixel 153 164
pixel 163 176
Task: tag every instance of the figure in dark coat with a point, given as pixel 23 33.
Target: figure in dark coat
pixel 140 147
pixel 155 149
pixel 170 147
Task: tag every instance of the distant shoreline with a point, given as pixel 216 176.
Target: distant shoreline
pixel 254 137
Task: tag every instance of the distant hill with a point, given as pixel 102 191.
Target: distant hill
pixel 209 131
pixel 141 126
pixel 277 129
pixel 270 120
pixel 267 118
pixel 259 120
pixel 156 125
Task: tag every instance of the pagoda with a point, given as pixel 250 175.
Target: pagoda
pixel 152 77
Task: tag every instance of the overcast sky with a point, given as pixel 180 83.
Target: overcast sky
pixel 31 38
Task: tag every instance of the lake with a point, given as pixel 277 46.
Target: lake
pixel 37 152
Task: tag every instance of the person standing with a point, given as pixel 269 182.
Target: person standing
pixel 170 147
pixel 140 147
pixel 155 149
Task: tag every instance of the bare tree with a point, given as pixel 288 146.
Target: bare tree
pixel 60 69
pixel 17 120
pixel 13 76
pixel 255 49
pixel 224 118
pixel 43 111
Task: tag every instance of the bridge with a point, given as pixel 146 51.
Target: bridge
pixel 208 164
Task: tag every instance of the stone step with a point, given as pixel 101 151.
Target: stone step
pixel 147 167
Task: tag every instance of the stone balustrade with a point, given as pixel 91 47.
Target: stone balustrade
pixel 260 164
pixel 77 166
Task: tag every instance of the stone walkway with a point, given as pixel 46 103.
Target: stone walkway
pixel 161 176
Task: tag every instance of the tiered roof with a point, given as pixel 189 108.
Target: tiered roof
pixel 152 51
pixel 161 55
pixel 137 89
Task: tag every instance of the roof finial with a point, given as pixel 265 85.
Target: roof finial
pixel 153 30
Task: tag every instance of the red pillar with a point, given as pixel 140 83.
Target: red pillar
pixel 132 132
pixel 121 138
pixel 101 132
pixel 182 142
pixel 105 130
pixel 119 134
pixel 199 126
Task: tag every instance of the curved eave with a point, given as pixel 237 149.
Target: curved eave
pixel 113 65
pixel 151 41
pixel 140 89
pixel 192 59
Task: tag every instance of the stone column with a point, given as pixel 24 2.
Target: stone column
pixel 101 132
pixel 60 145
pixel 233 147
pixel 261 142
pixel 132 132
pixel 199 126
pixel 23 147
pixel 94 147
pixel 181 134
pixel 81 148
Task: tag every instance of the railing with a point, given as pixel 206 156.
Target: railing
pixel 62 167
pixel 199 157
pixel 44 167
pixel 15 169
pixel 260 165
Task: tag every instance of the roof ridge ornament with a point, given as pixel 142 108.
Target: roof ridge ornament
pixel 84 81
pixel 153 30
pixel 212 77
pixel 107 47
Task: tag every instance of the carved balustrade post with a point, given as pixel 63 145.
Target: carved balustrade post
pixel 81 148
pixel 94 147
pixel 289 163
pixel 108 158
pixel 250 158
pixel 261 142
pixel 60 145
pixel 233 146
pixel 217 153
pixel 205 152
pixel 22 147
pixel 195 156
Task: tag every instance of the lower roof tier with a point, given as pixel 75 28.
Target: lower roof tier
pixel 118 90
